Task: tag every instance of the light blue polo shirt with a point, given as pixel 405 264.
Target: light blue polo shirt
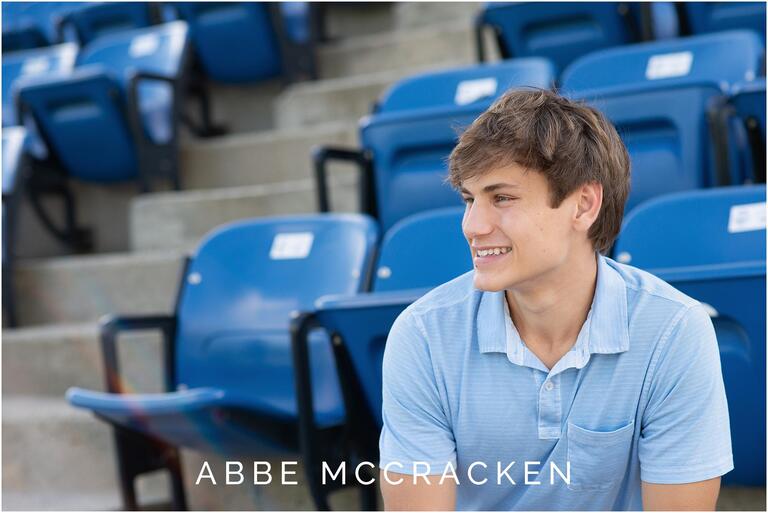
pixel 640 396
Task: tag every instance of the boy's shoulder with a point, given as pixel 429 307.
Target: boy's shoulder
pixel 646 284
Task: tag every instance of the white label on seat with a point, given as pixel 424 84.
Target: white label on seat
pixel 470 91
pixel 144 45
pixel 288 246
pixel 747 217
pixel 35 66
pixel 669 65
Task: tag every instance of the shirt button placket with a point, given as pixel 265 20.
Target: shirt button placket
pixel 549 409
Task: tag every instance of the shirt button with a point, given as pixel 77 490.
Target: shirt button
pixel 549 386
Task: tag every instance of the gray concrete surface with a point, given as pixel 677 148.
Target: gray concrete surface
pixel 179 220
pixel 82 289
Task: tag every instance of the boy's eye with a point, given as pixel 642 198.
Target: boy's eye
pixel 467 199
pixel 504 198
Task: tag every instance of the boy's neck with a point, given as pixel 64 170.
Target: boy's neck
pixel 549 314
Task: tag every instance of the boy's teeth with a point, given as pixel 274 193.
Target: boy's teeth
pixel 494 251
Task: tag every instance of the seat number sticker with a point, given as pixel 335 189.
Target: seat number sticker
pixel 669 65
pixel 35 66
pixel 144 45
pixel 746 218
pixel 470 91
pixel 291 246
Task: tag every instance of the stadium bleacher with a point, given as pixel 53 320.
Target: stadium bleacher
pixel 683 82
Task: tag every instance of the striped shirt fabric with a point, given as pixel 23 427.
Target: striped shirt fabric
pixel 639 397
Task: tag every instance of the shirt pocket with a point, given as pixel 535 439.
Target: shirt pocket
pixel 598 458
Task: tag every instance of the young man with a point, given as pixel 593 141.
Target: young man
pixel 589 384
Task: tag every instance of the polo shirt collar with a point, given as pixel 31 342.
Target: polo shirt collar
pixel 605 331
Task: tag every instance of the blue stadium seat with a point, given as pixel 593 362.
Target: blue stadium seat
pixel 748 100
pixel 99 19
pixel 561 32
pixel 235 42
pixel 14 171
pixel 23 38
pixel 115 117
pixel 661 96
pixel 705 17
pixel 228 358
pixel 406 141
pixel 59 59
pixel 710 244
pixel 29 25
pixel 408 265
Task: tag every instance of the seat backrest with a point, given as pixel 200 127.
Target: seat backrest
pixel 243 285
pixel 659 96
pixel 235 41
pixel 410 142
pixel 458 87
pixel 563 31
pixel 39 61
pixel 423 250
pixel 714 227
pixel 702 17
pixel 34 24
pixel 714 60
pixel 160 49
pixel 97 20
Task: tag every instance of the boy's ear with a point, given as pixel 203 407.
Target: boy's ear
pixel 589 201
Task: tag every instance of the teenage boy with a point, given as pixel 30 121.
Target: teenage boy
pixel 548 355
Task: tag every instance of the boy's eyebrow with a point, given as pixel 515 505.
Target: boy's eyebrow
pixel 492 187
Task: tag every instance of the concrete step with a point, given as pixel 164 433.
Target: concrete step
pixel 83 288
pixel 347 98
pixel 229 161
pixel 59 457
pixel 352 19
pixel 47 360
pixel 103 209
pixel 419 14
pixel 405 48
pixel 179 220
pixel 259 158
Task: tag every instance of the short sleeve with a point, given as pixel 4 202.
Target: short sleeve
pixel 415 426
pixel 685 435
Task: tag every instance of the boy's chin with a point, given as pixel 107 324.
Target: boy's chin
pixel 488 284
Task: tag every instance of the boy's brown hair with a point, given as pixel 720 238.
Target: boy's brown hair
pixel 569 142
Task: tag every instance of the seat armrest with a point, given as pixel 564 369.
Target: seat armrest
pixel 111 327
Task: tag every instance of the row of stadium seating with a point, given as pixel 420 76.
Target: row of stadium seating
pixel 691 111
pixel 266 303
pixel 109 111
pixel 566 31
pixel 683 107
pixel 235 41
